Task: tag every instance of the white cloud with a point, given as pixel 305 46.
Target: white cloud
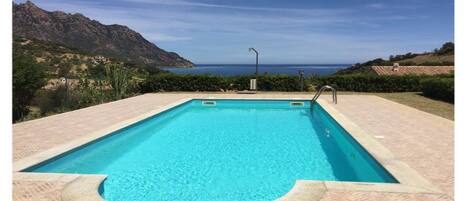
pixel 376 5
pixel 163 37
pixel 211 5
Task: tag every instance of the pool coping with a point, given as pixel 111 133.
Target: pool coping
pixel 86 187
pixel 410 181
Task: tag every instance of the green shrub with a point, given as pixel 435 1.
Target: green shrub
pixel 62 99
pixel 265 82
pixel 28 77
pixel 173 82
pixel 279 83
pixel 373 83
pixel 52 100
pixel 439 88
pixel 239 82
pixel 43 100
pixel 87 93
pixel 118 77
pixel 354 82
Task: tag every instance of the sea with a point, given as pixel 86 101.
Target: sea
pixel 250 69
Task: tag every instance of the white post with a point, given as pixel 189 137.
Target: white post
pixel 253 84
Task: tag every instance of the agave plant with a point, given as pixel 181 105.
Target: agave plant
pixel 118 78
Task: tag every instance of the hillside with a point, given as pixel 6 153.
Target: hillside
pixel 429 59
pixel 58 60
pixel 82 33
pixel 443 56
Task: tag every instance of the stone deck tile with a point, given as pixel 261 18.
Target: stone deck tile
pixel 381 196
pixel 37 190
pixel 423 141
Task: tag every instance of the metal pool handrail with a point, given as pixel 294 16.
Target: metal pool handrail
pixel 318 93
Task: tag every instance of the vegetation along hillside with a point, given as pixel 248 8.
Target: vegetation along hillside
pixel 58 60
pixel 443 56
pixel 38 69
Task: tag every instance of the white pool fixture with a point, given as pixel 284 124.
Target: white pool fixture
pixel 297 104
pixel 209 103
pixel 253 84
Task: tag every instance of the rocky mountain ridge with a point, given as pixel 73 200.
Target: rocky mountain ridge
pixel 78 31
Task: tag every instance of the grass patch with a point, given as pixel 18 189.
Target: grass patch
pixel 430 58
pixel 412 99
pixel 418 101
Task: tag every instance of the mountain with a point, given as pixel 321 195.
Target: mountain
pixel 443 56
pixel 78 31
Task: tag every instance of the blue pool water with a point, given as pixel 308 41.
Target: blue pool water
pixel 230 150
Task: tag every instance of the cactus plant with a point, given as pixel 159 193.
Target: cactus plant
pixel 117 77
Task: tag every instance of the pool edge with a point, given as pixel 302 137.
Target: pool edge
pixel 77 187
pixel 53 152
pixel 84 188
pixel 407 177
pixel 410 181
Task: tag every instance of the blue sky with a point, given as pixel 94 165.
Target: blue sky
pixel 294 31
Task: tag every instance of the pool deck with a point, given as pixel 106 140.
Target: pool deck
pixel 422 141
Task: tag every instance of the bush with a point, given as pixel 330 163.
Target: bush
pixel 43 100
pixel 446 49
pixel 373 83
pixel 28 77
pixel 354 82
pixel 439 88
pixel 265 83
pixel 61 98
pixel 118 77
pixel 52 100
pixel 279 83
pixel 173 82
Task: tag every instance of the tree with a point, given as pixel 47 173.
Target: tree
pixel 64 69
pixel 28 77
pixel 391 58
pixel 447 48
pixel 97 71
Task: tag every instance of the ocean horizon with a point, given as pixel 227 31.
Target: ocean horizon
pixel 250 69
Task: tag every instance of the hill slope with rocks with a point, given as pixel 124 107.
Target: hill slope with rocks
pixel 78 31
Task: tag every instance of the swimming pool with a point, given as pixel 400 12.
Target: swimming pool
pixel 222 150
